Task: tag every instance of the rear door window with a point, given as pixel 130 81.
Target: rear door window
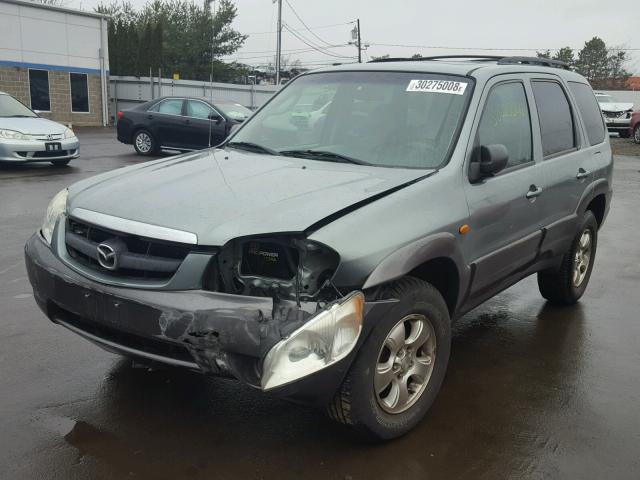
pixel 589 111
pixel 556 120
pixel 506 120
pixel 171 107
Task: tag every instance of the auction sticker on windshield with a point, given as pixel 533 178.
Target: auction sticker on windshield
pixel 437 86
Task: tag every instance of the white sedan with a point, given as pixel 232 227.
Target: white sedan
pixel 27 137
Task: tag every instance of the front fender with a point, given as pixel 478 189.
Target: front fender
pixel 406 259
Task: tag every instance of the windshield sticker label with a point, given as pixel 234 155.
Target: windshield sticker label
pixel 437 86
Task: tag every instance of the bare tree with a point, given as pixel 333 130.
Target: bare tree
pixel 57 3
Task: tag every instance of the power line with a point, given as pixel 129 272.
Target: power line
pixel 296 50
pixel 309 43
pixel 304 24
pixel 310 64
pixel 303 29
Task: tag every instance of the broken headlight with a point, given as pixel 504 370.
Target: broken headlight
pixel 57 207
pixel 325 339
pixel 286 267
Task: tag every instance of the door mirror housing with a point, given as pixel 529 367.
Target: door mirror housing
pixel 489 160
pixel 217 119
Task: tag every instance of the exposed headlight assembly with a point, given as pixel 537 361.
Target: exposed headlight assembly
pixel 324 340
pixel 68 133
pixel 57 207
pixel 13 135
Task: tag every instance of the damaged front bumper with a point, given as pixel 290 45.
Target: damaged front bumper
pixel 209 332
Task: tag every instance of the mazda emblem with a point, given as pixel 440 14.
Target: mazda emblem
pixel 107 257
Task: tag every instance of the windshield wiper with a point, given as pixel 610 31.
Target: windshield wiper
pixel 252 147
pixel 18 116
pixel 323 155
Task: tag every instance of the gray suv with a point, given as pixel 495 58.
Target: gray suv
pixel 324 250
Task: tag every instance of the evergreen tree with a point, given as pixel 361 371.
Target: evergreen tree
pixel 173 35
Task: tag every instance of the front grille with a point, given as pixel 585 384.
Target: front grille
pixel 47 137
pixel 617 114
pixel 138 257
pixel 143 344
pixel 52 154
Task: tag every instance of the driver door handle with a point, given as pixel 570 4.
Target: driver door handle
pixel 582 173
pixel 534 192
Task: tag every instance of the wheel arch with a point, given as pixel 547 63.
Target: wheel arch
pixel 138 128
pixel 598 206
pixel 596 199
pixel 436 259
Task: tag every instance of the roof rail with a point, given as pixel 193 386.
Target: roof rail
pixel 501 60
pixel 437 57
pixel 544 62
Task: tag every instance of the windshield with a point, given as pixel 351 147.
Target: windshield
pixel 391 119
pixel 234 111
pixel 605 99
pixel 10 107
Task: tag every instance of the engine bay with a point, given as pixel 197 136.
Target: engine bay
pixel 284 268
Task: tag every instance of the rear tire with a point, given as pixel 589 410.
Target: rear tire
pixel 388 390
pixel 144 143
pixel 565 285
pixel 60 163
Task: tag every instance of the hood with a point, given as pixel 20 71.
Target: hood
pixel 220 195
pixel 32 126
pixel 615 106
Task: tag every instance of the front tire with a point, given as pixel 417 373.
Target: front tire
pixel 636 133
pixel 144 143
pixel 399 369
pixel 565 285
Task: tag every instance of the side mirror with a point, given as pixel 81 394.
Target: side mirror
pixel 489 160
pixel 215 118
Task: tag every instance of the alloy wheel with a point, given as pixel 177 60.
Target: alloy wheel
pixel 143 142
pixel 405 363
pixel 582 258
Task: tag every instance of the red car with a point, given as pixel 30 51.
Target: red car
pixel 634 126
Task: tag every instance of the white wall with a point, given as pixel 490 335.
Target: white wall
pixel 45 36
pixel 127 92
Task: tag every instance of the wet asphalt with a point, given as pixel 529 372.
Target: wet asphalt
pixel 532 391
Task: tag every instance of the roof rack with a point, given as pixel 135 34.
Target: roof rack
pixel 437 57
pixel 500 60
pixel 544 62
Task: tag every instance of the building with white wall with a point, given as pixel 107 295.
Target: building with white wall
pixel 55 60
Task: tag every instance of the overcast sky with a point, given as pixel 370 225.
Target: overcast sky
pixel 491 24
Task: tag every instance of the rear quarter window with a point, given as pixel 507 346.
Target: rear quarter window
pixel 589 111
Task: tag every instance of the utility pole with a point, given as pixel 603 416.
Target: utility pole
pixel 213 44
pixel 359 44
pixel 356 40
pixel 279 42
